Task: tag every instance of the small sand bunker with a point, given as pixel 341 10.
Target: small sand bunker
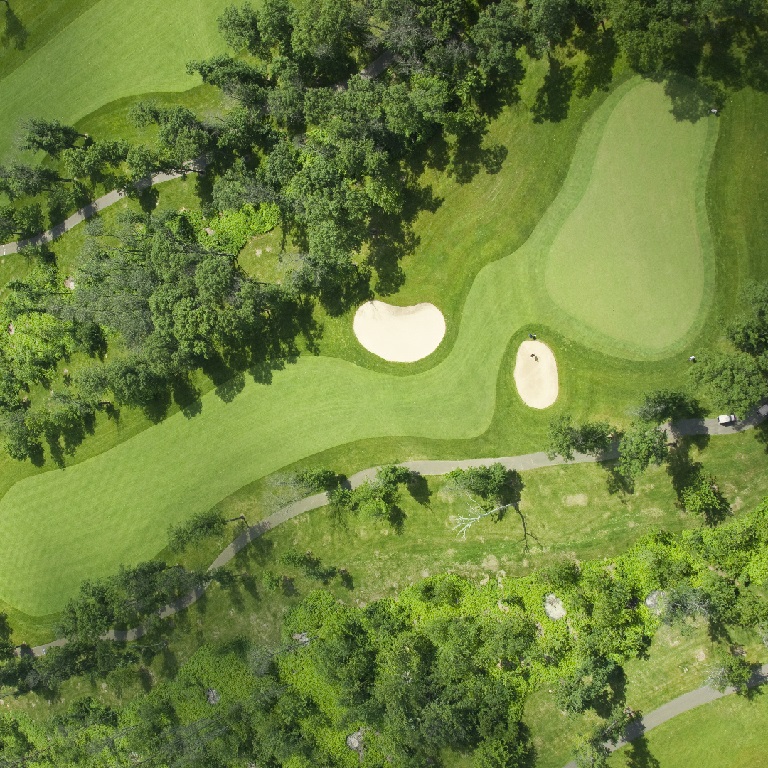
pixel 553 607
pixel 399 334
pixel 536 374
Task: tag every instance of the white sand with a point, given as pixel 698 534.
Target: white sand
pixel 536 377
pixel 399 334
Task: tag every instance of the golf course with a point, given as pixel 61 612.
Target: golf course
pixel 407 414
pixel 124 507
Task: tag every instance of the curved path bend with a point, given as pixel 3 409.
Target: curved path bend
pixel 684 703
pixel 682 428
pixel 372 71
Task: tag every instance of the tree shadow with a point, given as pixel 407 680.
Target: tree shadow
pixel 419 489
pixel 396 518
pixel 553 99
pixel 469 157
pixel 639 755
pixel 761 434
pixel 691 99
pixel 187 396
pixel 15 34
pixel 601 52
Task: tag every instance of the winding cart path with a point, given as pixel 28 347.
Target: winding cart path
pixel 423 467
pixel 684 703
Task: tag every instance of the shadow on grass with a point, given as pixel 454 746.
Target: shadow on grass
pixel 553 99
pixel 639 755
pixel 15 34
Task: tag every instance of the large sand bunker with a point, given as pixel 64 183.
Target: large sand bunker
pixel 536 374
pixel 399 334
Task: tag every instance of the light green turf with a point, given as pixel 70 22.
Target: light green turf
pixel 111 50
pixel 628 261
pixel 728 733
pixel 60 527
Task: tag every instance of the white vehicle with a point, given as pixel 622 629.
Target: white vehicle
pixel 726 420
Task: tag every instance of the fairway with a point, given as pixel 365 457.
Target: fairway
pixel 117 506
pixel 109 51
pixel 629 262
pixel 728 733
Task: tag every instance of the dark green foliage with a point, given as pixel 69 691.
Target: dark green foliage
pixel 734 382
pixel 376 498
pixel 49 136
pixel 446 665
pixel 316 480
pixel 565 438
pixel 198 527
pixel 19 180
pixel 640 446
pixel 127 598
pixel 587 686
pixel 493 484
pixel 666 405
pixel 730 670
pixel 749 331
pixel 701 496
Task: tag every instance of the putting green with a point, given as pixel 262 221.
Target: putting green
pixel 628 262
pixel 60 527
pixel 111 50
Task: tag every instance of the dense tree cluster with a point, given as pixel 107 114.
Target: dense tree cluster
pixel 170 296
pixel 736 381
pixel 445 666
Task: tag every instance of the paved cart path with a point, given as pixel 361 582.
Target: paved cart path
pixel 684 703
pixel 372 71
pixel 423 467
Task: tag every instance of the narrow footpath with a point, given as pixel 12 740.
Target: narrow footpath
pixel 426 467
pixel 684 703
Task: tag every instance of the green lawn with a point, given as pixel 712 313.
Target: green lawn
pixel 728 733
pixel 124 499
pixel 630 261
pixel 107 50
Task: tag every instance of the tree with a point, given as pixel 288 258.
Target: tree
pixel 18 180
pixel 317 479
pixel 565 438
pixel 702 497
pixel 640 446
pixel 749 331
pixel 586 686
pixel 733 382
pixel 49 136
pixel 240 28
pixel 664 405
pixel 198 527
pixel 729 670
pixel 92 160
pixel 491 490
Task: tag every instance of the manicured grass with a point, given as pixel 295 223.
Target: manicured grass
pixel 677 662
pixel 629 262
pixel 123 500
pixel 728 733
pixel 109 50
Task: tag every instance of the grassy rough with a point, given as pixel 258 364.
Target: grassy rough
pixel 108 50
pixel 728 733
pixel 123 503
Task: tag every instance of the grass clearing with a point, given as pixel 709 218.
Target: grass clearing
pixel 108 50
pixel 727 733
pixel 123 504
pixel 629 261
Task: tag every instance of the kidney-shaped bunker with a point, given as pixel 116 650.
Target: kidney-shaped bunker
pixel 399 334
